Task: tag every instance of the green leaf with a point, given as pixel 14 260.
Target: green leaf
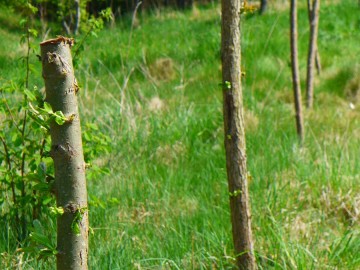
pixel 92 126
pixel 47 108
pixel 32 8
pixel 37 226
pixel 16 139
pixel 23 22
pixel 60 118
pixel 23 39
pixel 41 187
pixel 47 200
pixel 56 211
pixel 87 136
pixel 41 239
pixel 75 228
pixel 33 32
pixel 227 85
pixel 29 95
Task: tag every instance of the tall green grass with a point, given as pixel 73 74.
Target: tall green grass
pixel 154 90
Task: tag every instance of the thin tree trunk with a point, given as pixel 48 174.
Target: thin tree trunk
pixel 234 129
pixel 77 17
pixel 314 22
pixel 42 13
pixel 317 55
pixel 181 4
pixel 67 153
pixel 263 6
pixel 295 70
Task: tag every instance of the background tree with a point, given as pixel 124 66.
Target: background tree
pixel 313 10
pixel 317 55
pixel 234 129
pixel 263 6
pixel 295 70
pixel 77 16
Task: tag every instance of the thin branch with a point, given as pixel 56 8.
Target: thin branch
pixel 10 112
pixel 76 52
pixel 8 161
pixel 42 148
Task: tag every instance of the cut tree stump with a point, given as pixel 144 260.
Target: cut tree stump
pixel 67 152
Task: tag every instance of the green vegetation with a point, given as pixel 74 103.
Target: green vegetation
pixel 154 90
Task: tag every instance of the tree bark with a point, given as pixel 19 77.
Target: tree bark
pixel 314 22
pixel 77 17
pixel 263 6
pixel 234 129
pixel 295 70
pixel 67 153
pixel 317 55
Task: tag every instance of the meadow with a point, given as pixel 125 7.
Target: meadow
pixel 152 86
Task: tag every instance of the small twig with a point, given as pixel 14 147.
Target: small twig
pixel 81 42
pixel 42 148
pixel 23 157
pixel 66 27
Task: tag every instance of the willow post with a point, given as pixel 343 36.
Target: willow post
pixel 67 153
pixel 234 129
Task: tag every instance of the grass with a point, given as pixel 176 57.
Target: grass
pixel 164 204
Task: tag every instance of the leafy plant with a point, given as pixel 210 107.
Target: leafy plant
pixel 27 204
pixel 28 174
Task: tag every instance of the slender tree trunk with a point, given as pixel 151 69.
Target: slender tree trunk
pixel 42 13
pixel 234 129
pixel 317 55
pixel 263 6
pixel 181 4
pixel 295 70
pixel 77 17
pixel 67 153
pixel 314 22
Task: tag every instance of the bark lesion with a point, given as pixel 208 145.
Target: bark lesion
pixel 60 39
pixel 62 150
pixel 53 57
pixel 71 208
pixel 67 153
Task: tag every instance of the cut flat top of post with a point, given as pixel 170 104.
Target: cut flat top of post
pixel 58 39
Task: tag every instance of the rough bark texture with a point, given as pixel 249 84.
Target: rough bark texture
pixel 295 70
pixel 67 153
pixel 234 129
pixel 312 52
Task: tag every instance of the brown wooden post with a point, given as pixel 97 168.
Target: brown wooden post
pixel 67 153
pixel 234 129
